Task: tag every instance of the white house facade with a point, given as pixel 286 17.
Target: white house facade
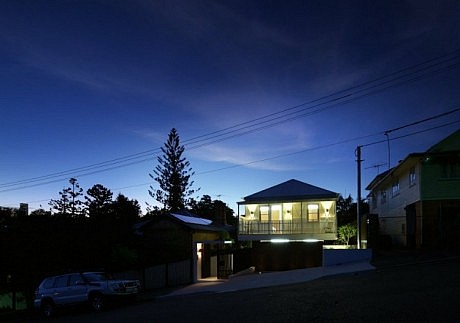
pixel 292 211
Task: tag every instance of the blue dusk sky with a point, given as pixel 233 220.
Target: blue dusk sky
pixel 260 92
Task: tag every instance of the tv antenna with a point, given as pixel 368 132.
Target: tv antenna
pixel 376 166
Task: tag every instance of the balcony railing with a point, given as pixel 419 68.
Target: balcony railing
pixel 286 227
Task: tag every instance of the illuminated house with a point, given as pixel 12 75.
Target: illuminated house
pixel 292 210
pixel 418 201
pixel 285 227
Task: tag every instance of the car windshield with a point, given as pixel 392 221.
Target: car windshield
pixel 94 277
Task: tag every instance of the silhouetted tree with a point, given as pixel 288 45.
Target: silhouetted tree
pixel 98 199
pixel 61 206
pixel 40 213
pixel 204 207
pixel 208 208
pixel 75 203
pixel 69 203
pixel 153 210
pixel 346 213
pixel 125 209
pixel 173 174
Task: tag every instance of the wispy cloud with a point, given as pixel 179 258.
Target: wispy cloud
pixel 257 152
pixel 154 136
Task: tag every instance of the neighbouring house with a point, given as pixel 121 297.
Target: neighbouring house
pixel 186 237
pixel 417 203
pixel 7 212
pixel 296 213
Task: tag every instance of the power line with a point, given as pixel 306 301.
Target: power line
pixel 303 151
pixel 405 75
pixel 427 64
pixel 424 120
pixel 411 134
pixel 345 98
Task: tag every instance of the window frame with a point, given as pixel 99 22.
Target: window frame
pixel 262 213
pixel 412 177
pixel 383 196
pixel 395 188
pixel 374 200
pixel 312 216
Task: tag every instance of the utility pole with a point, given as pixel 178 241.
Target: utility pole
pixel 358 201
pixel 388 147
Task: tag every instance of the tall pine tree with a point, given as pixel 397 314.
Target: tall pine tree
pixel 173 174
pixel 70 202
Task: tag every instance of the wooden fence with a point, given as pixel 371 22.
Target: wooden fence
pixel 161 276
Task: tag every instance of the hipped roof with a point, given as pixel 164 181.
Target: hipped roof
pixel 291 190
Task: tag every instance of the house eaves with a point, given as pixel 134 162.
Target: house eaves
pixel 292 190
pixel 389 173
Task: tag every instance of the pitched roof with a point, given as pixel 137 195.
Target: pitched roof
pixel 449 144
pixel 378 178
pixel 191 219
pixel 289 191
pixel 186 219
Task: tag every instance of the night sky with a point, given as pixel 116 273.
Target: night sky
pixel 260 92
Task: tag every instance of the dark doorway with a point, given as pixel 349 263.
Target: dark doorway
pixel 411 226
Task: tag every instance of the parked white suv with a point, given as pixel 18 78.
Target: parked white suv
pixel 79 288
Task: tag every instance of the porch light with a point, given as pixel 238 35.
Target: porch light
pixel 326 206
pixel 288 215
pixel 252 208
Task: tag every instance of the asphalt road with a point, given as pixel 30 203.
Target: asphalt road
pixel 426 290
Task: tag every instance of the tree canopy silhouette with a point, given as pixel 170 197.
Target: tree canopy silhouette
pixel 70 200
pixel 172 174
pixel 98 199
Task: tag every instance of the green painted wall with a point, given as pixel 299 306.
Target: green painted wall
pixel 434 184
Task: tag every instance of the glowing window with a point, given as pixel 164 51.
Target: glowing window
pixel 313 212
pixel 264 213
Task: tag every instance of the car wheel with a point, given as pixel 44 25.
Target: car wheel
pixel 97 302
pixel 47 309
